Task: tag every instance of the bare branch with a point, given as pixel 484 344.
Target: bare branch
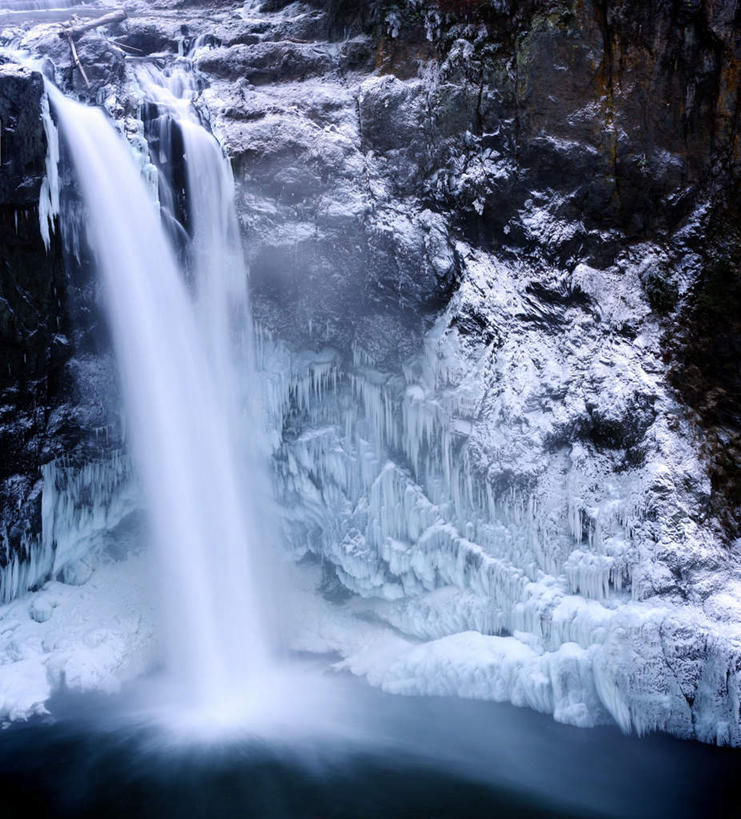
pixel 77 60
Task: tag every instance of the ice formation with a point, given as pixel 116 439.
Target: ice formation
pixel 49 194
pixel 89 638
pixel 26 569
pixel 532 593
pixel 81 503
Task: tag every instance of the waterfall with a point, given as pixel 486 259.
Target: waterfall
pixel 214 250
pixel 180 359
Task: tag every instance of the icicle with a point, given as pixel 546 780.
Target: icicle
pixel 49 194
pixel 81 502
pixel 29 567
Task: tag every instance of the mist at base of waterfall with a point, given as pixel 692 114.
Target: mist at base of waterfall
pixel 374 755
pixel 291 701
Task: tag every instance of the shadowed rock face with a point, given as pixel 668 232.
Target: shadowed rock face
pixel 626 110
pixel 704 345
pixel 47 338
pixel 24 146
pixel 503 233
pixel 30 304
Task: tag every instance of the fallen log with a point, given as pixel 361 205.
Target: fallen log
pixel 70 32
pixel 123 46
pixel 107 19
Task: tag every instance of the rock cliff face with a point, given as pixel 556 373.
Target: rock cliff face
pixel 32 316
pixel 494 260
pixel 56 385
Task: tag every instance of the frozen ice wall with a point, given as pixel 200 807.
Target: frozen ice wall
pixel 535 588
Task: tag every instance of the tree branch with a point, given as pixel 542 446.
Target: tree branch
pixel 77 60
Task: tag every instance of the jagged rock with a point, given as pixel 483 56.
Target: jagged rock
pixel 414 256
pixel 392 113
pixel 267 62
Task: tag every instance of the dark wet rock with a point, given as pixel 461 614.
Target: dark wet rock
pixel 704 345
pixel 23 142
pixel 391 114
pixel 142 36
pixel 573 95
pixel 357 55
pixel 53 386
pixel 618 425
pixel 32 339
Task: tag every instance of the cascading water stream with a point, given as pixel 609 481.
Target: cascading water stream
pixel 214 251
pixel 178 364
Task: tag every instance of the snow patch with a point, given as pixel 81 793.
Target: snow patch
pixel 84 638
